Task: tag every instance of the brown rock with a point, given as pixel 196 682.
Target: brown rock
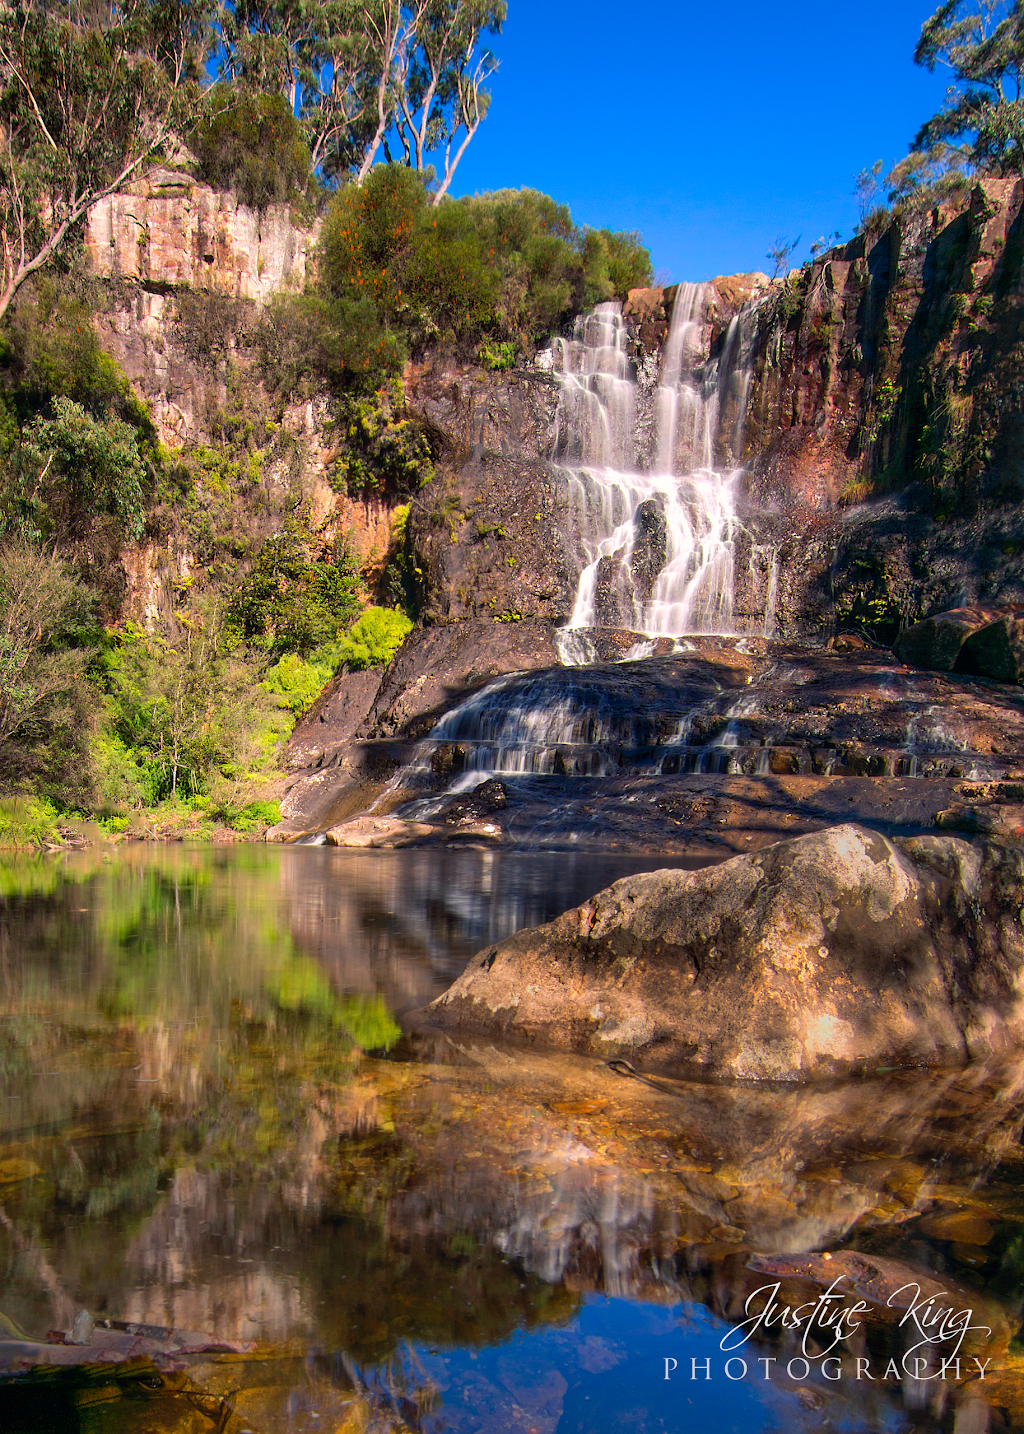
pixel 330 724
pixel 811 957
pixel 966 1227
pixel 996 650
pixel 171 232
pixel 644 305
pixel 379 832
pixel 936 642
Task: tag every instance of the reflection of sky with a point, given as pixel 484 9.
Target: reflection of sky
pixel 605 1370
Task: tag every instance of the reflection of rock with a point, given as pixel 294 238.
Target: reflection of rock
pixel 811 957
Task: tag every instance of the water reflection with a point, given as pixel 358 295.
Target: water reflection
pixel 456 1237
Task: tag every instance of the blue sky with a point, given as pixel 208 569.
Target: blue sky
pixel 711 128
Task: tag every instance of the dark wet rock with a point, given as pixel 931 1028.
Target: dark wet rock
pixel 476 410
pixel 488 543
pixel 323 735
pixel 488 798
pixel 813 957
pixel 936 643
pixel 436 667
pixel 981 641
pixel 997 649
pixel 650 547
pixel 606 600
pixel 999 820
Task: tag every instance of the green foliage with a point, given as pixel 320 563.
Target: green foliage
pixel 45 702
pixel 374 639
pixel 27 822
pixel 50 347
pixel 184 708
pixel 296 683
pixel 919 182
pixel 980 44
pixel 504 268
pixel 498 357
pixel 71 469
pixel 298 596
pixel 255 815
pixel 84 101
pixel 342 340
pixel 386 450
pixel 77 449
pixel 252 145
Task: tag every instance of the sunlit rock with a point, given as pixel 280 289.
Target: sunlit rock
pixel 833 952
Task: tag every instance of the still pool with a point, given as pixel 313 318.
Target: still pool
pixel 235 1195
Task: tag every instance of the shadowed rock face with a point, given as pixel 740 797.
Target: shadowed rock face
pixel 810 958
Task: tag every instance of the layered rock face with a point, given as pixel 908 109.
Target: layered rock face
pixel 830 953
pixel 170 232
pixel 188 272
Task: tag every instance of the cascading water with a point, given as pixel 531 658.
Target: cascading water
pixel 655 548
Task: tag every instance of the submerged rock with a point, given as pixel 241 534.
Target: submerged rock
pixel 828 953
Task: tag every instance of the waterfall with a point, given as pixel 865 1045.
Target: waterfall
pixel 655 548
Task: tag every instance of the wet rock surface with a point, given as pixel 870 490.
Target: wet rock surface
pixel 706 746
pixel 812 958
pixel 489 543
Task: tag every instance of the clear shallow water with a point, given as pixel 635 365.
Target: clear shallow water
pixel 443 1237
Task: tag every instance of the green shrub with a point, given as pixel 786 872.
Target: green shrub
pixel 506 267
pixel 27 821
pixel 187 709
pixel 385 450
pixel 118 778
pixel 374 639
pixel 342 341
pixel 252 145
pixel 296 683
pixel 46 703
pixel 296 597
pixel 498 357
pixel 255 815
pixel 50 348
pixel 73 468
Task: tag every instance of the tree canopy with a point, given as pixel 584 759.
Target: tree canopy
pixel 981 42
pixel 89 96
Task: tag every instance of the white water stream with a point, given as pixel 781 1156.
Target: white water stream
pixel 656 549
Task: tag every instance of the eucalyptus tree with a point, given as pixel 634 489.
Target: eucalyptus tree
pixel 981 42
pixel 88 96
pixel 357 71
pixel 438 80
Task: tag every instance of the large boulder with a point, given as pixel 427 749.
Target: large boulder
pixel 936 642
pixel 997 649
pixel 984 641
pixel 828 953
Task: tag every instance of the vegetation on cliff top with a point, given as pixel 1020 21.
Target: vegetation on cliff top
pixel 398 275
